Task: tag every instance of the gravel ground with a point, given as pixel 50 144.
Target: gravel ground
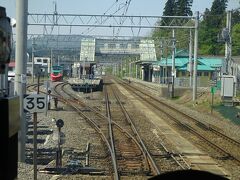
pixel 77 135
pixel 222 123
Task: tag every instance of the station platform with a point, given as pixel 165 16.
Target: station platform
pixel 86 85
pixel 163 90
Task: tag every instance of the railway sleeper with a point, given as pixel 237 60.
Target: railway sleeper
pixel 133 172
pixel 134 158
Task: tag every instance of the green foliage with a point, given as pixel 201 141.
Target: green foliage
pixel 173 8
pixel 210 28
pixel 176 8
pixel 235 17
pixel 235 39
pixel 183 7
pixel 169 9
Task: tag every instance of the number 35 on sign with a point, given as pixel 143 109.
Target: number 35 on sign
pixel 35 103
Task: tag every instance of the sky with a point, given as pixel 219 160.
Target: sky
pixel 137 7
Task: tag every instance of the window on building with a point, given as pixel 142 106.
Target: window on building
pixel 45 60
pixel 39 60
pixel 199 73
pixel 101 45
pixel 112 45
pixel 135 46
pixel 123 46
pixel 206 73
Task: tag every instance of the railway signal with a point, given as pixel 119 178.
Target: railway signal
pixel 59 124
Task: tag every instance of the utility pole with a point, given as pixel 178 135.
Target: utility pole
pixel 166 70
pixel 161 48
pixel 130 69
pixel 136 71
pixel 173 61
pixel 33 43
pixel 21 61
pixel 125 65
pixel 190 59
pixel 195 57
pixel 228 43
pixel 121 68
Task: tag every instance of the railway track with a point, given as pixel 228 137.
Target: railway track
pixel 80 107
pixel 101 126
pixel 177 158
pixel 174 160
pixel 127 167
pixel 125 153
pixel 132 156
pixel 226 146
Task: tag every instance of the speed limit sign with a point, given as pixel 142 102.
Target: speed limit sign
pixel 35 103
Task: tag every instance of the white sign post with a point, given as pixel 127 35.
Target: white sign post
pixel 35 103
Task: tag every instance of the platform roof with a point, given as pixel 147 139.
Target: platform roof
pixel 205 64
pixel 153 62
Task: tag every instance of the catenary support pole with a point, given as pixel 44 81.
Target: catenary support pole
pixel 136 71
pixel 21 61
pixel 190 59
pixel 33 61
pixel 195 57
pixel 173 61
pixel 51 61
pixel 228 44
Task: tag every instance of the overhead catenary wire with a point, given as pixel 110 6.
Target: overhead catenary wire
pixel 127 4
pixel 90 29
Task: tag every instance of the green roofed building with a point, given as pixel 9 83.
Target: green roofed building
pixel 207 68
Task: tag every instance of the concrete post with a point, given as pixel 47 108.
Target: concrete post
pixel 128 69
pixel 149 73
pixel 228 44
pixel 142 74
pixel 173 60
pixel 136 71
pixel 33 61
pixel 195 57
pixel 21 61
pixel 190 59
pixel 121 69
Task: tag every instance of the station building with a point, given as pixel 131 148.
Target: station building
pixel 160 71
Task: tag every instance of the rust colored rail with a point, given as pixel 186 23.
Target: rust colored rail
pixel 151 101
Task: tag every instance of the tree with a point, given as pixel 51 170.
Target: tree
pixel 235 17
pixel 217 12
pixel 211 26
pixel 169 9
pixel 235 39
pixel 183 7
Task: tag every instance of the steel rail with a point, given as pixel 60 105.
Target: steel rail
pixel 152 162
pixel 110 130
pixel 76 101
pixel 178 121
pixel 94 125
pixel 208 126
